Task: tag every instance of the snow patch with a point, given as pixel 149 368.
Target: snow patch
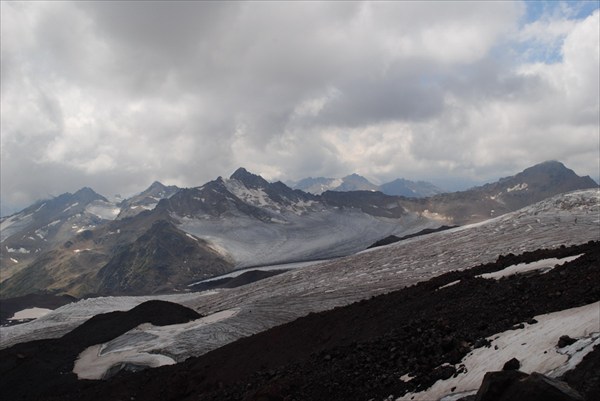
pixel 518 187
pixel 71 206
pixel 31 313
pixel 545 264
pixel 254 197
pixel 82 229
pixel 41 233
pixel 406 378
pixel 191 236
pixel 17 250
pixel 91 365
pixel 449 284
pixel 433 215
pixel 103 210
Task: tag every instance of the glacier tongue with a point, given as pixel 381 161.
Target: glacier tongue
pixel 314 235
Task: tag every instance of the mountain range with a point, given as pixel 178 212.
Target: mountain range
pixel 355 182
pixel 166 238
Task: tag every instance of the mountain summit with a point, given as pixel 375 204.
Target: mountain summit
pixel 355 182
pixel 248 179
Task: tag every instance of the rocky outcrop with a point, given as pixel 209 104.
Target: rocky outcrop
pixel 513 385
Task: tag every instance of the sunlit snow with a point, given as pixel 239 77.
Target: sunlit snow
pixel 518 187
pixel 544 265
pixel 71 206
pixel 17 250
pixel 103 210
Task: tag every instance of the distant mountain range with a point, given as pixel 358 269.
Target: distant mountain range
pixel 166 238
pixel 355 182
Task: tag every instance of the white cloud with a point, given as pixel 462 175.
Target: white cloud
pixel 116 95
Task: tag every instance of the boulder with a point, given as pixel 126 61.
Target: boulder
pixel 513 364
pixel 564 341
pixel 514 385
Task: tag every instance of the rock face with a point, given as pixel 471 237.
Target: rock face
pixel 585 377
pixel 372 203
pixel 161 259
pixel 527 187
pixel 514 385
pixel 146 200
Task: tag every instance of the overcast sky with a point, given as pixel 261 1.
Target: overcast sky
pixel 115 95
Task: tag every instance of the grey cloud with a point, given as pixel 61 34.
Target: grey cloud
pixel 129 92
pixel 392 97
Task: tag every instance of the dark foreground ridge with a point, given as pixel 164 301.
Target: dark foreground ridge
pixel 356 352
pixel 31 370
pixel 390 239
pixel 238 281
pixel 10 306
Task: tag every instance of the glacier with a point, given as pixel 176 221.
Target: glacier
pixel 566 219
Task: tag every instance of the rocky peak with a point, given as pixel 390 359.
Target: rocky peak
pixel 355 182
pixel 87 194
pixel 548 167
pixel 248 179
pixel 156 185
pixel 555 173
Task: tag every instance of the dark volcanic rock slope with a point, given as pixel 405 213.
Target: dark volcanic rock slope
pixel 357 352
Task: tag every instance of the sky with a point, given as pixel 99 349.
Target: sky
pixel 116 95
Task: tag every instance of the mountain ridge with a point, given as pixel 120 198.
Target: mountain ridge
pixel 356 182
pixel 244 219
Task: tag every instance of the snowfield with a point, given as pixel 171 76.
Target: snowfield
pixel 12 224
pixel 103 210
pixel 297 237
pixel 30 313
pixel 566 219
